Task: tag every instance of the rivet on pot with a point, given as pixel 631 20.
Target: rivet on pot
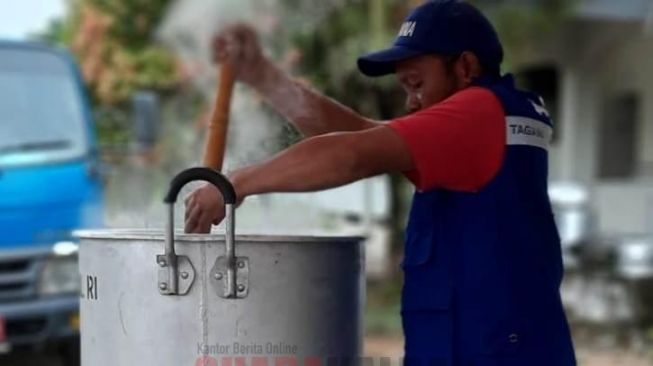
pixel 184 275
pixel 217 275
pixel 241 264
pixel 162 263
pixel 241 288
pixel 163 286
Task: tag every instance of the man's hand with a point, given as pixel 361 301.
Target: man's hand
pixel 239 45
pixel 204 207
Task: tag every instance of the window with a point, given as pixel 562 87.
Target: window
pixel 41 110
pixel 618 142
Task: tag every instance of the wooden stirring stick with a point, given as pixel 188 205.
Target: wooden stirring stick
pixel 217 132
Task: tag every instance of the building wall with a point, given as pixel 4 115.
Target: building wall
pixel 627 206
pixel 598 60
pixel 629 67
pixel 613 66
pixel 624 208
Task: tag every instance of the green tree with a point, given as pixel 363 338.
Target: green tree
pixel 523 25
pixel 113 42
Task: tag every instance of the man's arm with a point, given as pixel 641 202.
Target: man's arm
pixel 311 112
pixel 317 163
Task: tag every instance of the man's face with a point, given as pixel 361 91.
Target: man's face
pixel 426 80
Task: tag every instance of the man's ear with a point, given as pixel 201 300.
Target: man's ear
pixel 469 68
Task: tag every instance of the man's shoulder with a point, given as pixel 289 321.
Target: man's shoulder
pixel 472 100
pixel 516 101
pixel 473 93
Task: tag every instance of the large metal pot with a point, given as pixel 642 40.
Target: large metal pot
pixel 279 299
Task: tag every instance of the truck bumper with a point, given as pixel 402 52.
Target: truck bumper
pixel 42 321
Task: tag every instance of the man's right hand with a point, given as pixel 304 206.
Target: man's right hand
pixel 204 207
pixel 238 44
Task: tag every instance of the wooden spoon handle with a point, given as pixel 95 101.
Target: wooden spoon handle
pixel 217 132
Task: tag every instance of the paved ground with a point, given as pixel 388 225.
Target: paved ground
pixel 393 347
pixel 30 359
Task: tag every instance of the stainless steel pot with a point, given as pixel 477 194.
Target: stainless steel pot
pixel 208 297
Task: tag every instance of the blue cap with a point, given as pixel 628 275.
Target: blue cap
pixel 443 27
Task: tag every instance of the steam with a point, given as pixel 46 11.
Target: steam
pixel 190 25
pixel 254 132
pixel 188 29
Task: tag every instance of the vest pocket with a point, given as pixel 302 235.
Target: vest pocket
pixel 419 247
pixel 426 318
pixel 426 285
pixel 428 335
pixel 425 301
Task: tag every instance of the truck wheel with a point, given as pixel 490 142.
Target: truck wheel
pixel 69 353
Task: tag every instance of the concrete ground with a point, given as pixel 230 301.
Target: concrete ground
pixel 24 358
pixel 393 347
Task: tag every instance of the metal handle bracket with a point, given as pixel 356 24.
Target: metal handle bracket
pixel 220 278
pixel 176 273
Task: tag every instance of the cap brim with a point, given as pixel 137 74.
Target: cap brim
pixel 384 62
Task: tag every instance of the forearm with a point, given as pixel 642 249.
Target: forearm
pixel 315 164
pixel 311 112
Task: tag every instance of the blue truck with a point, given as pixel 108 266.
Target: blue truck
pixel 50 185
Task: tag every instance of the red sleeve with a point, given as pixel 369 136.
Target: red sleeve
pixel 457 144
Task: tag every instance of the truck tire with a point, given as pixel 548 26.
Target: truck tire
pixel 69 353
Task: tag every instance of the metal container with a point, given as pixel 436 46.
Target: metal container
pixel 207 298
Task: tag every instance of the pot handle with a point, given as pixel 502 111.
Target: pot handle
pixel 209 175
pixel 170 275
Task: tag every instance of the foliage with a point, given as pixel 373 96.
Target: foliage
pixel 329 51
pixel 381 306
pixel 133 21
pixel 114 128
pixel 118 57
pixel 523 25
pixel 113 42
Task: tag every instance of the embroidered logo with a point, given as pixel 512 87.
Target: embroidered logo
pixel 407 29
pixel 540 109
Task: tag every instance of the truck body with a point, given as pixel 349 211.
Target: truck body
pixel 50 185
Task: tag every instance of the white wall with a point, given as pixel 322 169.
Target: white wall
pixel 598 60
pixel 627 206
pixel 574 156
pixel 624 208
pixel 628 66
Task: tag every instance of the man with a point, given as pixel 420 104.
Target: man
pixel 482 258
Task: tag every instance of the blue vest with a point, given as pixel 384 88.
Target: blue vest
pixel 483 270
